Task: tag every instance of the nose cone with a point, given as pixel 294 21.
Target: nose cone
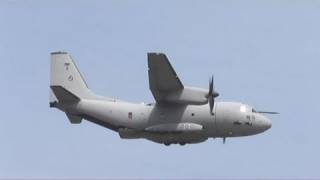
pixel 265 123
pixel 262 124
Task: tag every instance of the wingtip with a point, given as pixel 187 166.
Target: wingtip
pixel 155 53
pixel 58 52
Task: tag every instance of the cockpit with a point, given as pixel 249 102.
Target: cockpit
pixel 246 108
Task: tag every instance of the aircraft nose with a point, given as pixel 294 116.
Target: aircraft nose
pixel 266 123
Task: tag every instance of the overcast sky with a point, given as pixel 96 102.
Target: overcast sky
pixel 263 53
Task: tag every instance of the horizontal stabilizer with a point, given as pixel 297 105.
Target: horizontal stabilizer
pixel 64 96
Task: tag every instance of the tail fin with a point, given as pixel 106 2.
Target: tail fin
pixel 66 82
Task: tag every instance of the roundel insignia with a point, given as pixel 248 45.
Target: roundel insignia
pixel 70 78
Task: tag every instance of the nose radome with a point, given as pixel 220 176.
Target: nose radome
pixel 266 123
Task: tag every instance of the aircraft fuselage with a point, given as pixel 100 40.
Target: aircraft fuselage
pixel 133 121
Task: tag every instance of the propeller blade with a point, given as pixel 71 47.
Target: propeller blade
pixel 211 104
pixel 210 86
pixel 212 82
pixel 214 93
pixel 211 94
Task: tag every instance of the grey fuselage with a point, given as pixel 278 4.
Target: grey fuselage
pixel 230 119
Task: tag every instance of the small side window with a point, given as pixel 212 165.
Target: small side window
pixel 130 115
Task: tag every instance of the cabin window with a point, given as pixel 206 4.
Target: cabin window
pixel 130 115
pixel 192 114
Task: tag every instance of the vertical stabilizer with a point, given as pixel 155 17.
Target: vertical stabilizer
pixel 64 73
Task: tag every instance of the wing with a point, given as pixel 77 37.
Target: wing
pixel 163 80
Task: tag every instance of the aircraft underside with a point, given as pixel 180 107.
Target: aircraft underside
pixel 166 138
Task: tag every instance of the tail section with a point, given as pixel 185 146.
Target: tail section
pixel 67 87
pixel 66 83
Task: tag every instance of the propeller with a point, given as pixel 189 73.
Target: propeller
pixel 211 94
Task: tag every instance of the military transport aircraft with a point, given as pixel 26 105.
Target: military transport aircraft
pixel 181 115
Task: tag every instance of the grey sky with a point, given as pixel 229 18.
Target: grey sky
pixel 264 53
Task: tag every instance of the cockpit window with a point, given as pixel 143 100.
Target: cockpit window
pixel 243 109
